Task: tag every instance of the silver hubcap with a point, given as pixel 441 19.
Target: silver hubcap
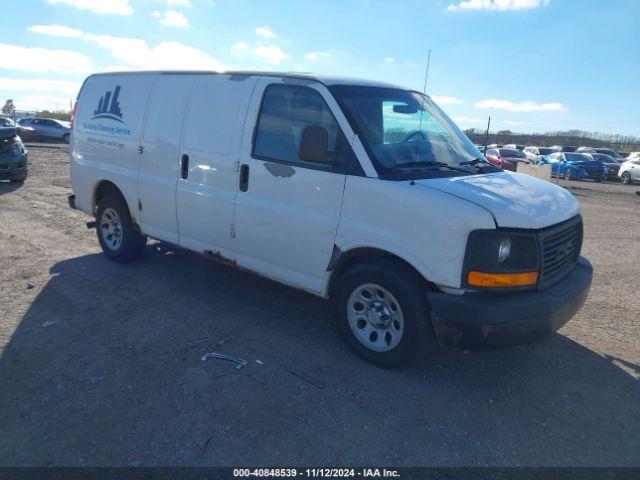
pixel 375 317
pixel 111 229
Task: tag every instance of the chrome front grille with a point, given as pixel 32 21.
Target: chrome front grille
pixel 561 247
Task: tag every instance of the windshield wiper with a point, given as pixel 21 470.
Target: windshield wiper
pixel 475 161
pixel 428 163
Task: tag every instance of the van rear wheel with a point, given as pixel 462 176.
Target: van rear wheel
pixel 383 312
pixel 116 233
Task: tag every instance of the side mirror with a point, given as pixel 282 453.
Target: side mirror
pixel 314 146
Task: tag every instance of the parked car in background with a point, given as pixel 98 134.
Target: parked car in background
pixel 514 146
pixel 506 158
pixel 533 153
pixel 25 133
pixel 612 153
pixel 585 150
pixel 575 166
pixel 632 156
pixel 630 171
pixel 565 148
pixel 606 151
pixel 13 155
pixel 611 165
pixel 48 128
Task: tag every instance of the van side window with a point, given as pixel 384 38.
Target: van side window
pixel 285 113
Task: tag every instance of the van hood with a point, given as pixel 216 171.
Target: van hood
pixel 515 200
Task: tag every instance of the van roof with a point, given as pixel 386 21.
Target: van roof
pixel 327 80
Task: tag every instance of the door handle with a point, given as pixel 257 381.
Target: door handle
pixel 244 177
pixel 184 167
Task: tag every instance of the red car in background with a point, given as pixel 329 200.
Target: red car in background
pixel 506 158
pixel 25 133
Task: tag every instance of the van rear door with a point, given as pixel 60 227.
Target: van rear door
pixel 160 158
pixel 207 178
pixel 106 136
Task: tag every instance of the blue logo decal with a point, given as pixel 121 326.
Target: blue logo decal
pixel 109 107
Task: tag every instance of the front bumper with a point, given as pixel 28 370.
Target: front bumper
pixel 489 320
pixel 13 166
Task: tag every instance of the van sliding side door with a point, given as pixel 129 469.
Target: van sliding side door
pixel 207 176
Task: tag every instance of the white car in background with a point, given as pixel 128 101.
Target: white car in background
pixel 534 153
pixel 630 171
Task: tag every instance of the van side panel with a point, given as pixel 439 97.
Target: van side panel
pixel 106 136
pixel 160 159
pixel 212 134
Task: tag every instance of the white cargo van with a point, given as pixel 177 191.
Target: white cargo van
pixel 357 191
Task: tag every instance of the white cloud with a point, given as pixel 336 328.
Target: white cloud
pixel 265 32
pixel 272 54
pixel 527 106
pixel 67 87
pixel 134 53
pixel 118 7
pixel 240 47
pixel 317 55
pixel 178 3
pixel 56 31
pixel 171 18
pixel 499 5
pixel 444 100
pixel 37 59
pixel 390 60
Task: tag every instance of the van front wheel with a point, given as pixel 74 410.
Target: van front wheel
pixel 383 312
pixel 116 234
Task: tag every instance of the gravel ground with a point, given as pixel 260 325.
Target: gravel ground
pixel 100 362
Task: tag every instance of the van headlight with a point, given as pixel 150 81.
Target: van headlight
pixel 501 259
pixel 17 147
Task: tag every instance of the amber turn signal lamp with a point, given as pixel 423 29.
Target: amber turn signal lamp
pixel 502 280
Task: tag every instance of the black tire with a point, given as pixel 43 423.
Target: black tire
pixel 18 180
pixel 66 137
pixel 131 244
pixel 567 174
pixel 625 178
pixel 409 289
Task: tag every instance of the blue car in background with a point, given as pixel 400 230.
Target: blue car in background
pixel 575 166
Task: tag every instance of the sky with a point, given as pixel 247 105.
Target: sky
pixel 532 65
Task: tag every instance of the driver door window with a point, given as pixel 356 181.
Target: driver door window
pixel 287 110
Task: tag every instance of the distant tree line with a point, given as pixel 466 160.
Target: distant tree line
pixel 580 138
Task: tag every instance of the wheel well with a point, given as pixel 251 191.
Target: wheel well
pixel 105 188
pixel 343 261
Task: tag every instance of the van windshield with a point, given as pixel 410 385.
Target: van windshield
pixel 402 130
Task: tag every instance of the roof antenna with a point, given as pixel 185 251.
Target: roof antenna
pixel 424 88
pixel 424 92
